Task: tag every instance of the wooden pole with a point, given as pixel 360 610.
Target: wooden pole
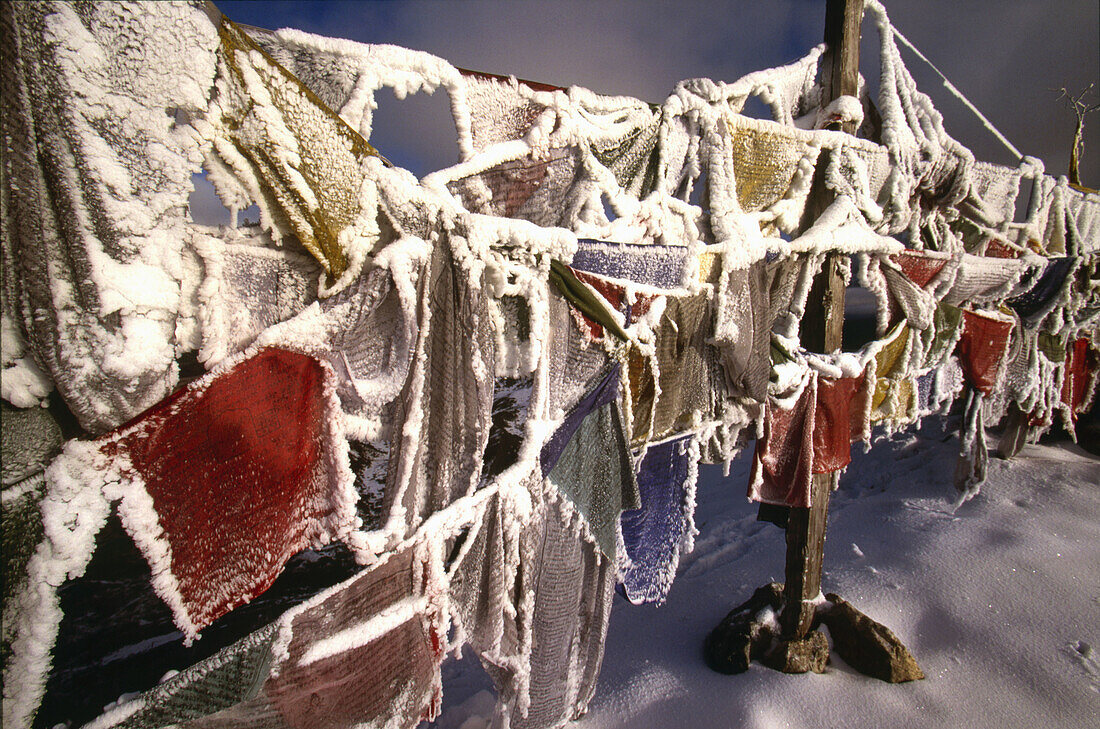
pixel 822 331
pixel 843 20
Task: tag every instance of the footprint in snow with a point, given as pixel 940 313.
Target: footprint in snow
pixel 1083 653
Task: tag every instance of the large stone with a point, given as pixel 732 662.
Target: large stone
pixel 743 635
pixel 866 645
pixel 799 655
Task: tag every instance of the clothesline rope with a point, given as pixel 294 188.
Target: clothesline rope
pixel 958 94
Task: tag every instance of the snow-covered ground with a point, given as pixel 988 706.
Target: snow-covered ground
pixel 998 600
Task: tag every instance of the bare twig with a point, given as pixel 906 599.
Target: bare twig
pixel 1080 108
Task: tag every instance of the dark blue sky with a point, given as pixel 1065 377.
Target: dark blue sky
pixel 1008 57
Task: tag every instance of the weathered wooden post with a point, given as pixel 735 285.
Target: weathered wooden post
pixel 822 331
pixel 747 633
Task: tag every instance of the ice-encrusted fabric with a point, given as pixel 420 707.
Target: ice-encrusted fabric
pixel 770 165
pixel 997 248
pixel 991 200
pixel 979 280
pixel 225 480
pixel 894 400
pixel 481 597
pixel 937 388
pixel 655 534
pixel 982 347
pixel 841 411
pixel 21 519
pixel 811 435
pixel 633 155
pixel 588 462
pixel 601 391
pixel 1081 373
pixel 788 290
pixel 573 591
pixel 1031 378
pixel 688 371
pixel 937 341
pixel 246 288
pixel 1083 210
pixel 612 143
pixel 925 387
pixel 1052 347
pixel 893 389
pixel 346 75
pixel 500 111
pixel 766 158
pixel 1038 301
pixel 594 298
pixel 540 187
pixel 97 176
pixel 372 341
pixel 655 265
pixel 782 463
pixel 68 511
pixel 742 329
pixel 365 652
pixel 973 461
pixel 276 144
pixel 490 596
pixel 31 438
pixel 575 361
pixel 906 300
pixel 444 412
pixel 231 677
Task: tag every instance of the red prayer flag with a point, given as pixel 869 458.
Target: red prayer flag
pixel 1082 365
pixel 996 248
pixel 982 347
pixel 366 652
pixel 612 293
pixel 781 466
pixel 919 267
pixel 241 469
pixel 838 421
